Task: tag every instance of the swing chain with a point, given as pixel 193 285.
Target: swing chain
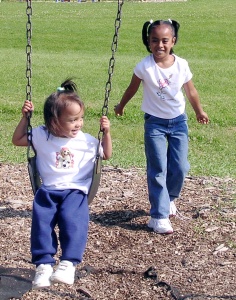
pixel 114 46
pixel 29 70
pixel 28 51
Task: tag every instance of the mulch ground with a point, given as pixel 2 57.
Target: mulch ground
pixel 124 259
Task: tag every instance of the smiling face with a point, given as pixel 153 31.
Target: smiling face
pixel 71 120
pixel 161 41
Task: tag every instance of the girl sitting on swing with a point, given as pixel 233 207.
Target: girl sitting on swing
pixel 65 160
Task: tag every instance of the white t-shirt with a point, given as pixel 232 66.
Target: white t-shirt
pixel 162 88
pixel 65 163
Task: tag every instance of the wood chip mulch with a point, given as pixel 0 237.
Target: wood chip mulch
pixel 124 259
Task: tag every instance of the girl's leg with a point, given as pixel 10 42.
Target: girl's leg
pixel 177 156
pixel 43 236
pixel 73 220
pixel 156 156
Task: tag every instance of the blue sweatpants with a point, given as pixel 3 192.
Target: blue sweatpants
pixel 69 210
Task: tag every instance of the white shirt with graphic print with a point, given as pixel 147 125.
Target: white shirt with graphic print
pixel 65 163
pixel 162 88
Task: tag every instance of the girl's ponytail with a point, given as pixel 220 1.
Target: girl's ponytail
pixel 145 34
pixel 176 26
pixel 69 85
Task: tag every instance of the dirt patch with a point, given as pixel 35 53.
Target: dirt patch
pixel 196 262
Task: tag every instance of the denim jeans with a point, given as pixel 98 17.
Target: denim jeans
pixel 166 149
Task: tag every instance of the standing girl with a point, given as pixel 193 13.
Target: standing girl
pixel 65 158
pixel 163 75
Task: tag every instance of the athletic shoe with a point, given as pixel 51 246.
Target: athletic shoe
pixel 173 209
pixel 42 276
pixel 160 226
pixel 65 273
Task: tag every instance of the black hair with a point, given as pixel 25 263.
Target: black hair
pixel 68 85
pixel 57 102
pixel 149 25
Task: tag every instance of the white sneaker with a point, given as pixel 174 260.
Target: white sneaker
pixel 42 276
pixel 173 209
pixel 65 273
pixel 160 225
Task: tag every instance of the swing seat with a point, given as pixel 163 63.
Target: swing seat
pixel 96 178
pixel 34 176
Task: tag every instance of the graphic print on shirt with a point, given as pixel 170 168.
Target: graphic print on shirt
pixel 64 159
pixel 163 83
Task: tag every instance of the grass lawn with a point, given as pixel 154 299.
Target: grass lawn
pixel 74 39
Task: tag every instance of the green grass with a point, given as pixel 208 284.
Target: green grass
pixel 71 39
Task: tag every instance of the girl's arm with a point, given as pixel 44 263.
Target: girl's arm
pixel 106 140
pixel 19 137
pixel 128 94
pixel 193 98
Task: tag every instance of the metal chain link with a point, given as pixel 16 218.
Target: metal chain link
pixel 114 46
pixel 28 51
pixel 29 71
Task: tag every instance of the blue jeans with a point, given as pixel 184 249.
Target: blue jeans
pixel 166 149
pixel 67 208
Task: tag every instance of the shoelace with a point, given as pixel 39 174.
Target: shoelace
pixel 41 272
pixel 62 266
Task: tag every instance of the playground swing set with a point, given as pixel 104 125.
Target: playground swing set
pixel 34 175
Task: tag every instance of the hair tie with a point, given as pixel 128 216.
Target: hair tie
pixel 151 21
pixel 169 20
pixel 60 89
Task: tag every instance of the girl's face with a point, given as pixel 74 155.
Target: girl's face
pixel 161 41
pixel 71 120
